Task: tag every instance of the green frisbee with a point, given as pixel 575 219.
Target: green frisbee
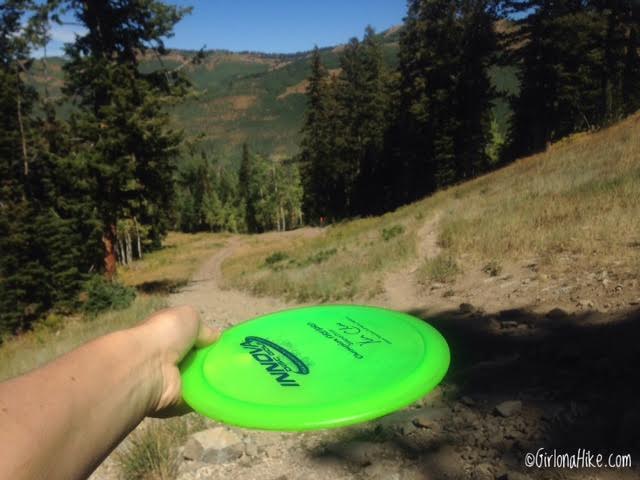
pixel 315 367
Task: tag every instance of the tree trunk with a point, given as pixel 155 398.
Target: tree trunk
pixel 129 246
pixel 135 222
pixel 23 139
pixel 120 251
pixel 110 258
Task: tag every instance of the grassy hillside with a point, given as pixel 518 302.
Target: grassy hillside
pixel 249 97
pixel 573 210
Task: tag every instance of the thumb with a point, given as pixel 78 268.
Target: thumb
pixel 206 335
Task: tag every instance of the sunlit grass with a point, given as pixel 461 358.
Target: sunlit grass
pixel 59 335
pixel 151 451
pixel 172 266
pixel 578 200
pixel 346 260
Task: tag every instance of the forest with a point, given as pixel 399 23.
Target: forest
pixel 83 192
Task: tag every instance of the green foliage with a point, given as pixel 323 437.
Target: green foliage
pixel 579 68
pixel 271 192
pixel 207 197
pixel 120 123
pixel 446 51
pixel 343 132
pixel 392 232
pixel 275 257
pixel 43 245
pixel 319 257
pixel 102 295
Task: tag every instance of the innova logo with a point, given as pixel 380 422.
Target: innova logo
pixel 277 360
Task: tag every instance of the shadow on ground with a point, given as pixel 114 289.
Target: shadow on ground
pixel 576 377
pixel 161 287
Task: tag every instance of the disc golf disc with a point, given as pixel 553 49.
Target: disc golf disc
pixel 315 367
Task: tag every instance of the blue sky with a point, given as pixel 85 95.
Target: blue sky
pixel 281 26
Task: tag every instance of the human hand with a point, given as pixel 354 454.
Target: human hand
pixel 170 334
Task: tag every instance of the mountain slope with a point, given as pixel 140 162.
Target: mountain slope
pixel 557 228
pixel 249 97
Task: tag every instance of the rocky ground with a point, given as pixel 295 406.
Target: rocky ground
pixel 537 363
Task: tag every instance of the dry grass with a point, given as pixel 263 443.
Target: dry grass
pixel 580 199
pixel 346 260
pixel 171 267
pixel 151 451
pixel 576 206
pixel 59 335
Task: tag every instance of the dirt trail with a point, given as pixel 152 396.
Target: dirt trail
pixel 401 289
pixel 555 396
pixel 218 307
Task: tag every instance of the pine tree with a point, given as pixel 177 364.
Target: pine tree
pixel 474 91
pixel 361 106
pixel 42 246
pixel 572 57
pixel 315 146
pixel 120 122
pixel 446 50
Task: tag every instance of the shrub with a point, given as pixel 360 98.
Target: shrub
pixel 442 268
pixel 321 256
pixel 391 232
pixel 102 294
pixel 274 258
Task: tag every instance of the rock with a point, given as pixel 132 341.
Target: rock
pixel 219 445
pixel 483 471
pixel 223 455
pixel 192 450
pixel 428 417
pixel 468 401
pixel 466 308
pixel 635 302
pixel 508 408
pixel 557 314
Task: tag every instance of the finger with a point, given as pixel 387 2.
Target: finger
pixel 206 335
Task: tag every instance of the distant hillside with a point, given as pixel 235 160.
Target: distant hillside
pixel 250 96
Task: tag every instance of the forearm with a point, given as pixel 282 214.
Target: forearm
pixel 75 410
